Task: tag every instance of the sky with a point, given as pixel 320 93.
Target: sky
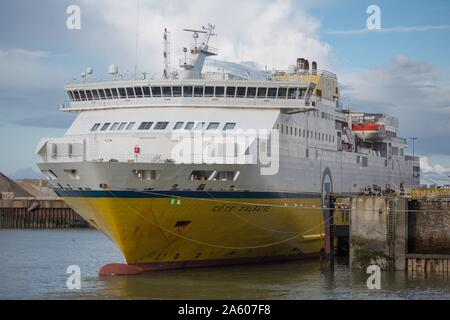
pixel 401 69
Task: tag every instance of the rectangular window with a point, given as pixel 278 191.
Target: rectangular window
pixel 145 126
pixel 229 126
pixel 213 126
pixel 83 95
pixel 69 93
pixel 76 95
pixel 220 91
pixel 105 126
pixel 251 92
pixel 198 91
pixel 209 91
pixel 156 92
pixel 292 93
pixel 115 93
pixel 201 175
pixel 178 126
pixel 146 91
pixel 282 93
pixel 95 95
pixel 189 126
pixel 138 91
pixel 114 126
pixel 122 126
pixel 176 92
pixel 225 176
pixel 199 126
pixel 231 92
pixel 262 93
pixel 272 93
pixel 147 174
pixel 240 92
pixel 89 95
pixel 161 126
pixel 95 127
pixel 102 94
pixel 130 126
pixel 365 162
pixel 122 93
pixel 187 91
pixel 130 93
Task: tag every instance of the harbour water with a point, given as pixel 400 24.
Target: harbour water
pixel 33 265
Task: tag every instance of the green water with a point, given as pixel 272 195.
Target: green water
pixel 33 265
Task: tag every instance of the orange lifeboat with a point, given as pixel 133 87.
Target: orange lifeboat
pixel 371 131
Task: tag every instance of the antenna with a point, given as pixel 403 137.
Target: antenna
pixel 137 37
pixel 166 53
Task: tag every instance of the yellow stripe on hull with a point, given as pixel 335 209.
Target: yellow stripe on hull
pixel 162 230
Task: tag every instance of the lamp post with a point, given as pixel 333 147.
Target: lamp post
pixel 413 141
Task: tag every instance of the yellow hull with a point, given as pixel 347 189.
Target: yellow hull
pixel 185 231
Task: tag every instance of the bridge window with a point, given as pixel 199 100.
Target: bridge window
pixel 115 93
pixel 161 126
pixel 209 91
pixel 251 92
pixel 229 126
pixel 69 93
pixel 95 95
pixel 101 92
pixel 145 126
pixel 189 126
pixel 130 126
pixel 176 91
pixel 122 93
pixel 114 126
pixel 213 126
pixel 138 91
pixel 198 91
pixel 178 126
pixel 220 91
pixel 240 92
pixel 231 92
pixel 146 91
pixel 282 93
pixel 156 92
pixel 122 126
pixel 130 93
pixel 95 127
pixel 76 95
pixel 292 93
pixel 262 92
pixel 187 91
pixel 272 93
pixel 83 95
pixel 105 126
pixel 89 95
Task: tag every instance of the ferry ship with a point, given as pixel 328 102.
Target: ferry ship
pixel 198 168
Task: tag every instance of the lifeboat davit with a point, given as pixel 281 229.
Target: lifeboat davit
pixel 370 131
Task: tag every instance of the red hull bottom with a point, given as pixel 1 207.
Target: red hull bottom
pixel 120 269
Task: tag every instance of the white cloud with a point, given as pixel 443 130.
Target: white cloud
pixel 272 33
pixel 24 53
pixel 414 90
pixel 389 30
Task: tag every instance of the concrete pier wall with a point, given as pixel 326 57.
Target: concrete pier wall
pixel 38 214
pixel 378 232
